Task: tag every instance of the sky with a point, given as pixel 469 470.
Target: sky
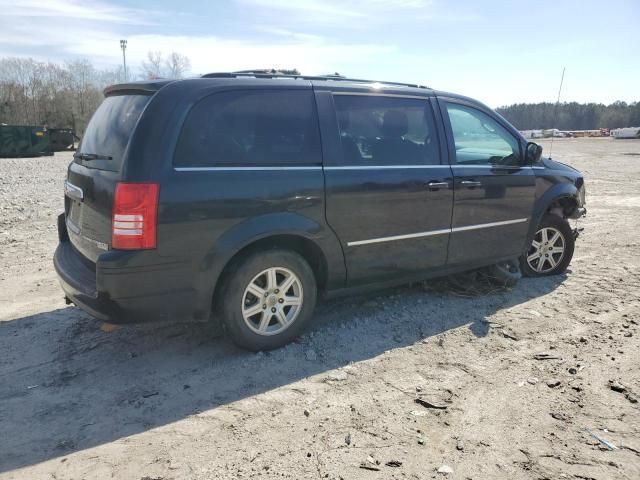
pixel 499 52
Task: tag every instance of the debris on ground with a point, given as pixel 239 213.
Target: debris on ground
pixel 338 376
pixel 604 442
pixel 466 284
pixel 445 470
pixel 546 356
pixel 618 387
pixel 369 466
pixel 430 404
pixel 509 335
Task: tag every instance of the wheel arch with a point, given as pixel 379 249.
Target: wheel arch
pixel 316 243
pixel 303 246
pixel 561 200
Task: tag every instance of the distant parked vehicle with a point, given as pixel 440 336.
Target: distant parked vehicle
pixel 62 139
pixel 244 196
pixel 629 132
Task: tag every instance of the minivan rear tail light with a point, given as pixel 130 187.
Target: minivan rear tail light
pixel 135 213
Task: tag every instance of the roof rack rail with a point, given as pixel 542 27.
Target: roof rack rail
pixel 275 74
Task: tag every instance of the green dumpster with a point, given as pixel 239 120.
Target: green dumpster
pixel 24 141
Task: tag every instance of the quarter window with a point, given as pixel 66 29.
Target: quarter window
pixel 257 127
pixel 376 130
pixel 481 140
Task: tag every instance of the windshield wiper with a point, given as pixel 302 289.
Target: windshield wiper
pixel 92 156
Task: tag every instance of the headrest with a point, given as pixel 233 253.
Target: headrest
pixel 395 123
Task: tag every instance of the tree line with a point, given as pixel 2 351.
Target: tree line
pixel 66 95
pixel 572 115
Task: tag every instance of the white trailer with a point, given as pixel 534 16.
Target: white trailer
pixel 629 132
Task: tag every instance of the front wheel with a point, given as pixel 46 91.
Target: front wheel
pixel 268 300
pixel 551 249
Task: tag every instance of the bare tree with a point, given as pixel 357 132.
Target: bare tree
pixel 177 65
pixel 60 96
pixel 37 93
pixel 152 67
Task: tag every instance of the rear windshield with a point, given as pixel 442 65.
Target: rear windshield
pixel 109 130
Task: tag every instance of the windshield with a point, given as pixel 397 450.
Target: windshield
pixel 109 130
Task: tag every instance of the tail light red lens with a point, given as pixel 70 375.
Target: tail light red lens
pixel 135 214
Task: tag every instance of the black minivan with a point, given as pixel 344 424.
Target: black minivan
pixel 243 196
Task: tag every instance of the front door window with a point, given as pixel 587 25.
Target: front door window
pixel 481 140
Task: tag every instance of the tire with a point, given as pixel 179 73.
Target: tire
pixel 257 312
pixel 554 261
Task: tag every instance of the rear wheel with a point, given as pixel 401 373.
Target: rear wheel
pixel 268 299
pixel 551 249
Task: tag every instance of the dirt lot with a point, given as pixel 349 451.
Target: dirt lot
pixel 171 402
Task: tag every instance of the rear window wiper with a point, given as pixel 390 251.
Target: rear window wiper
pixel 92 156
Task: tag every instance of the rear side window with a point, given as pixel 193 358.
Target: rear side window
pixel 378 131
pixel 251 128
pixel 110 129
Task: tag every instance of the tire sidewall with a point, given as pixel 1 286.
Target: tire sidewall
pixel 564 228
pixel 237 282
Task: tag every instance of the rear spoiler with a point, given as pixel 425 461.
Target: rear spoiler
pixel 148 87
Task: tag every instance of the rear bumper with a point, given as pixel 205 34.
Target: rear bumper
pixel 128 286
pixel 78 282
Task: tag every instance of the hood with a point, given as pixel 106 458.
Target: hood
pixel 553 165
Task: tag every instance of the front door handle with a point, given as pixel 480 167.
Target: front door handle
pixel 437 185
pixel 470 183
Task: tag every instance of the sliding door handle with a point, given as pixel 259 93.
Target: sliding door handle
pixel 470 183
pixel 437 185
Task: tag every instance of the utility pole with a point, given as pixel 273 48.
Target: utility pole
pixel 123 46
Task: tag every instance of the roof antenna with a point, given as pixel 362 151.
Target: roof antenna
pixel 555 112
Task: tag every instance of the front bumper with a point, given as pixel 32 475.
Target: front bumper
pixel 578 213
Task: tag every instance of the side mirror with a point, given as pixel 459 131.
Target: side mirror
pixel 534 153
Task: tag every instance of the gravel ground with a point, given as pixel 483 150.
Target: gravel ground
pixel 522 376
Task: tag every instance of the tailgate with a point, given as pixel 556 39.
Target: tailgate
pixel 96 169
pixel 87 204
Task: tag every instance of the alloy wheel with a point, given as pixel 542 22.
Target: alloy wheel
pixel 547 250
pixel 272 301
